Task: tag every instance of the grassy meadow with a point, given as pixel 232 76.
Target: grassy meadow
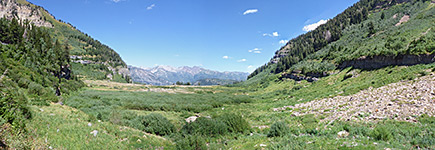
pixel 129 116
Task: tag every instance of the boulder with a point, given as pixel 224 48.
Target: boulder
pixel 192 119
pixel 342 134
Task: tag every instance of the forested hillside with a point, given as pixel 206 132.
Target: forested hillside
pixel 90 58
pixel 35 69
pixel 369 28
pixel 41 62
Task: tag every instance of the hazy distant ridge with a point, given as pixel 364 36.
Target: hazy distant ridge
pixel 168 75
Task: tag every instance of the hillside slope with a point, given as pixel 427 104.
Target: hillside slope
pixel 369 29
pixel 37 67
pixel 87 54
pixel 398 101
pixel 167 75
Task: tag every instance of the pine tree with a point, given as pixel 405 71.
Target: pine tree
pixel 371 27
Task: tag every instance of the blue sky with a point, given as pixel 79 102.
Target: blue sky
pixel 224 35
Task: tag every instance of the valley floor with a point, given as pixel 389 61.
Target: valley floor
pixel 353 109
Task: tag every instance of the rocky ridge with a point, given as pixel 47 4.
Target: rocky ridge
pixel 12 8
pixel 402 101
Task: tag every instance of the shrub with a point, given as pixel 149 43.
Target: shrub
pixel 426 119
pixel 205 126
pixel 278 129
pixel 425 139
pixel 235 123
pixel 240 100
pixel 23 82
pixel 381 133
pixel 157 124
pixel 309 120
pixel 39 102
pixel 35 88
pixel 289 142
pixel 191 142
pixel 13 108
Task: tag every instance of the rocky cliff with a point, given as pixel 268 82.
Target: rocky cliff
pixel 377 62
pixel 24 11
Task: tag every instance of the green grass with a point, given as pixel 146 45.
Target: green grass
pixel 152 101
pixel 117 108
pixel 305 132
pixel 65 128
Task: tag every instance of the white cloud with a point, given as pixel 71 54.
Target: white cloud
pixel 116 1
pixel 250 11
pixel 241 60
pixel 226 57
pixel 274 34
pixel 283 42
pixel 313 26
pixel 250 66
pixel 255 50
pixel 150 7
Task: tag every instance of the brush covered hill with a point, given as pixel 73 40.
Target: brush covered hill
pixel 371 34
pixel 90 58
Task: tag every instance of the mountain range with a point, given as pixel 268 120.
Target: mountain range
pixel 168 75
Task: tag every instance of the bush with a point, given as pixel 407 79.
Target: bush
pixel 235 123
pixel 381 133
pixel 39 102
pixel 13 108
pixel 205 126
pixel 157 124
pixel 278 129
pixel 35 88
pixel 242 100
pixel 289 142
pixel 23 82
pixel 426 119
pixel 191 142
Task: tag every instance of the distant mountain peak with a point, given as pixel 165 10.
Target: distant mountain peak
pixel 168 75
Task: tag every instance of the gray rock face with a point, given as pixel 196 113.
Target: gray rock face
pixel 377 62
pixel 167 75
pixel 11 8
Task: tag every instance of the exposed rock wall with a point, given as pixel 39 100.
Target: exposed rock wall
pixel 297 77
pixel 377 62
pixel 11 8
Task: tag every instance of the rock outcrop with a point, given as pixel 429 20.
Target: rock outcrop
pixel 24 11
pixel 377 62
